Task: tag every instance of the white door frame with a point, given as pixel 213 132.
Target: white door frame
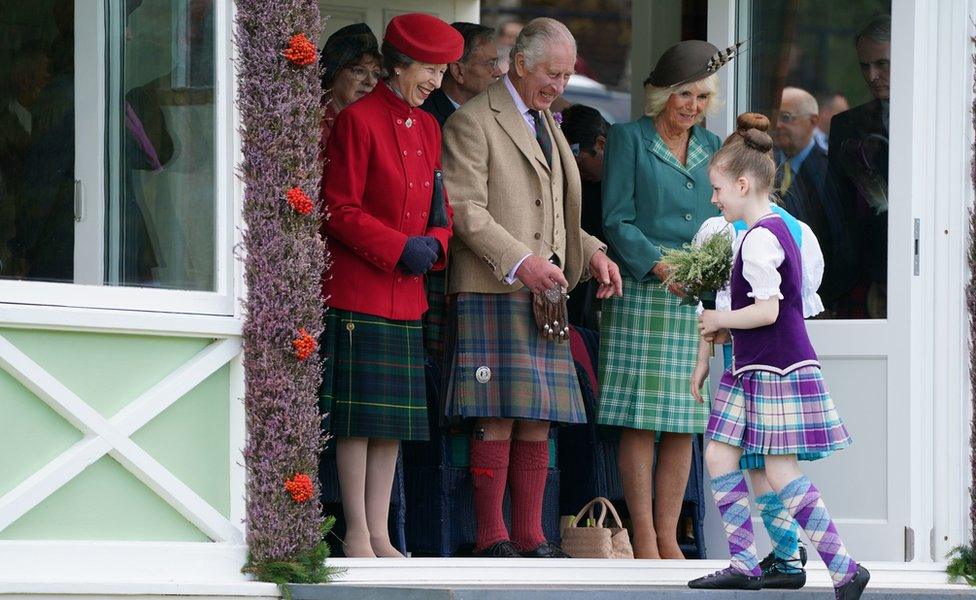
pixel 930 56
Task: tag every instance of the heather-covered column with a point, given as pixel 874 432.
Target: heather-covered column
pixel 284 259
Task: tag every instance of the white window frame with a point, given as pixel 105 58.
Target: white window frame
pixel 19 299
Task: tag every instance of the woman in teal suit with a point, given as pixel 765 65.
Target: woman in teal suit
pixel 656 194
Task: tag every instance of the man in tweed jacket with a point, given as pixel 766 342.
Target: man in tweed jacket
pixel 515 189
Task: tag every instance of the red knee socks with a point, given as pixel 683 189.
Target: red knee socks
pixel 489 470
pixel 527 485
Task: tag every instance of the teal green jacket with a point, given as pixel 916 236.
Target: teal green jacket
pixel 650 200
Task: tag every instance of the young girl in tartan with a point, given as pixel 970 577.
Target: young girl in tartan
pixel 772 401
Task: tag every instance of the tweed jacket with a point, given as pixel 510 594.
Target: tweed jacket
pixel 500 186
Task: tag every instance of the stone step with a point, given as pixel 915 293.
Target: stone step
pixel 357 592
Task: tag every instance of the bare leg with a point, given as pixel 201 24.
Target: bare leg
pixel 380 468
pixel 635 461
pixel 759 483
pixel 494 429
pixel 351 463
pixel 670 481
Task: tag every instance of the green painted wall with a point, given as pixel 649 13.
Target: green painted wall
pixel 106 502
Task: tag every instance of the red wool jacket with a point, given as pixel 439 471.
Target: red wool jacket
pixel 377 186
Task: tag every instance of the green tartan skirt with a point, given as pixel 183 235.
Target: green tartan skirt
pixel 435 319
pixel 648 348
pixel 373 382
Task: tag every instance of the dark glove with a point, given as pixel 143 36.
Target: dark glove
pixel 417 257
pixel 434 245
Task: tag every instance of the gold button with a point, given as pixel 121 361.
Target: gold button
pixel 350 326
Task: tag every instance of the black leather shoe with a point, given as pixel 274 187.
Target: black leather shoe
pixel 784 574
pixel 853 589
pixel 778 576
pixel 546 550
pixel 727 579
pixel 502 549
pixel 771 558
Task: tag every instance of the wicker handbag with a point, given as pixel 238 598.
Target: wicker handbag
pixel 597 541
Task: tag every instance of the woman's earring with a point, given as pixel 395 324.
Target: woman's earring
pixel 397 72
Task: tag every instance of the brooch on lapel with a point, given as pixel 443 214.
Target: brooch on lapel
pixel 557 117
pixel 408 122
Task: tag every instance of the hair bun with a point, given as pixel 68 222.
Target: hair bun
pixel 757 140
pixel 751 120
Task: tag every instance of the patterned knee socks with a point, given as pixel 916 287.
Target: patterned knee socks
pixel 803 501
pixel 732 498
pixel 489 472
pixel 782 529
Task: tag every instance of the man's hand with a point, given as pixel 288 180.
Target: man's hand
pixel 607 274
pixel 539 275
pixel 661 271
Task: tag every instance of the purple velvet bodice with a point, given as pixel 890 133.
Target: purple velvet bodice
pixel 783 346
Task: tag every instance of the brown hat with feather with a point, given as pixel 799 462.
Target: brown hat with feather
pixel 689 61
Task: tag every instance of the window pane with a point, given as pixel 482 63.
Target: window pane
pixel 161 167
pixel 820 70
pixel 107 142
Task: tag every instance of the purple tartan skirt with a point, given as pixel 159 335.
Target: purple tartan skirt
pixel 767 413
pixel 502 367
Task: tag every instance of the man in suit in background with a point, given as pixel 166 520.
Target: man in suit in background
pixel 468 77
pixel 515 189
pixel 801 172
pixel 857 176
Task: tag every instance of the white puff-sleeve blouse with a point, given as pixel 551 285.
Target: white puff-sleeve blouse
pixel 761 258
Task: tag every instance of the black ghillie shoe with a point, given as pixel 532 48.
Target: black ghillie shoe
pixel 783 574
pixel 778 576
pixel 727 579
pixel 853 589
pixel 771 558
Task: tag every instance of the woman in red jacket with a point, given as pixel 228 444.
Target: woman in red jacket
pixel 387 227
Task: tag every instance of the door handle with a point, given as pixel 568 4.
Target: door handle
pixel 79 201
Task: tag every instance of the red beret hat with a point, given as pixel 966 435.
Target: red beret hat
pixel 425 38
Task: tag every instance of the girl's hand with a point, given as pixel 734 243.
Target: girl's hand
pixel 708 323
pixel 698 379
pixel 722 336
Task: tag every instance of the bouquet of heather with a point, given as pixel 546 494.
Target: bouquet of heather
pixel 700 270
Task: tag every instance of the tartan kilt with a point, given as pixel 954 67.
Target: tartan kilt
pixel 767 413
pixel 648 349
pixel 373 382
pixel 522 375
pixel 435 319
